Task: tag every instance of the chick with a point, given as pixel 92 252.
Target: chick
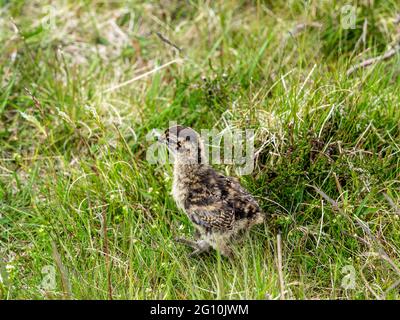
pixel 217 205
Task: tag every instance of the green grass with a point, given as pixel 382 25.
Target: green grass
pixel 76 191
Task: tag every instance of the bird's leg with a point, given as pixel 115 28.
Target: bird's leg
pixel 202 246
pixel 190 243
pixel 199 246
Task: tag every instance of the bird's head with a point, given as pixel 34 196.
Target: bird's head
pixel 185 144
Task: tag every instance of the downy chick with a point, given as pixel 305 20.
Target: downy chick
pixel 218 206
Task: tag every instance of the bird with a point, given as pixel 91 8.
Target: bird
pixel 217 205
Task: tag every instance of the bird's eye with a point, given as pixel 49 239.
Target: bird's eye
pixel 187 138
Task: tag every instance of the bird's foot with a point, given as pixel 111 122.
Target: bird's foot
pixel 199 246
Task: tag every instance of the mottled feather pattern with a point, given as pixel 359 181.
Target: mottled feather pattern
pixel 216 201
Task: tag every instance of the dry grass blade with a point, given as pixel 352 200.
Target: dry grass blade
pixel 391 203
pixel 167 41
pixel 63 272
pixel 144 75
pixel 280 271
pixel 386 56
pixel 299 28
pixel 333 203
pixel 381 252
pixel 106 255
pixel 338 186
pixel 367 283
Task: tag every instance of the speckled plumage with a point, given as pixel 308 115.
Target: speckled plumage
pixel 218 206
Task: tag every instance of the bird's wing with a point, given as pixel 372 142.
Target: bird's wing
pixel 216 201
pixel 213 217
pixel 238 198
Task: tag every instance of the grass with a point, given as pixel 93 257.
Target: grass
pixel 78 197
